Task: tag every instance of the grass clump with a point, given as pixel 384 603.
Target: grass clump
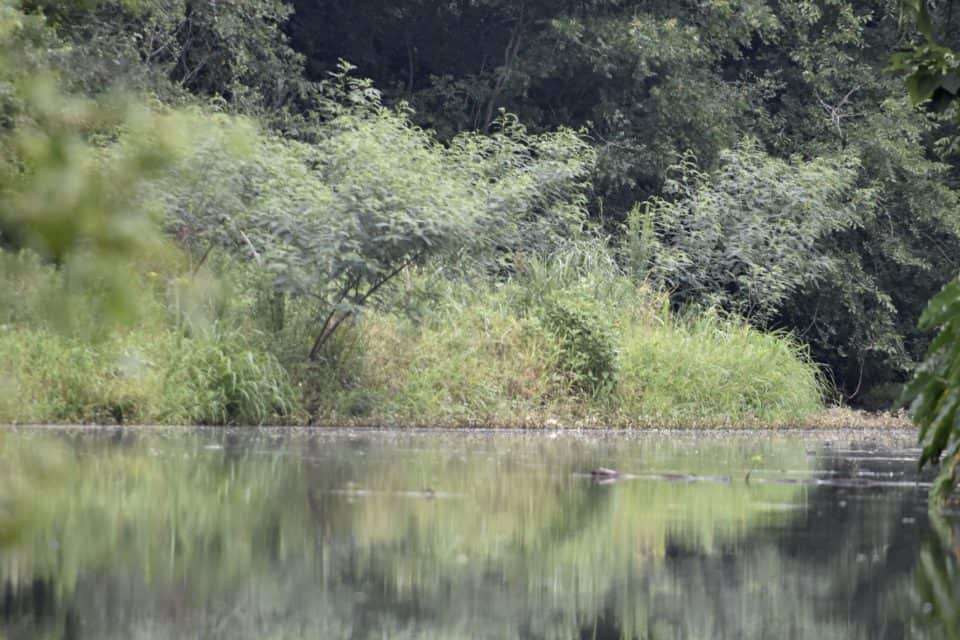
pixel 216 378
pixel 141 377
pixel 54 378
pixel 464 364
pixel 720 371
pixel 588 346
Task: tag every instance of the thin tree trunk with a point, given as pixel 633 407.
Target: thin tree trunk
pixel 411 65
pixel 509 60
pixel 331 323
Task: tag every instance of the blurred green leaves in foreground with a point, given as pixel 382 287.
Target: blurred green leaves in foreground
pixel 72 167
pixel 935 389
pixel 935 590
pixel 933 79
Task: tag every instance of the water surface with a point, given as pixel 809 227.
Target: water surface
pixel 468 534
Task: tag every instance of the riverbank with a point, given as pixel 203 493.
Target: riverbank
pixel 830 420
pixel 846 419
pixel 520 353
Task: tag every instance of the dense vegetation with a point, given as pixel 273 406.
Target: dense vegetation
pixel 604 210
pixel 800 187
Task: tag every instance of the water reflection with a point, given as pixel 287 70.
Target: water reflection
pixel 933 599
pixel 455 535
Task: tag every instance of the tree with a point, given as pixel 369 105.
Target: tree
pixel 234 51
pixel 657 81
pixel 336 221
pixel 750 236
pixel 646 81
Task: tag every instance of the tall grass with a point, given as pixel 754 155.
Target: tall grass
pixel 142 377
pixel 466 364
pixel 215 378
pixel 567 340
pixel 59 362
pixel 492 355
pixel 705 369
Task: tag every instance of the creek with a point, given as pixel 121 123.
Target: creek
pixel 327 533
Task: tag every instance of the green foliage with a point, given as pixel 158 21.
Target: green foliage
pixel 650 83
pixel 708 370
pixel 936 585
pixel 892 262
pixel 643 79
pixel 933 74
pixel 572 293
pixel 836 248
pixel 587 346
pixel 337 220
pixel 145 377
pixel 215 378
pixel 72 168
pixel 80 371
pixel 934 392
pixel 749 236
pixel 58 378
pixel 465 362
pixel 833 218
pixel 476 355
pixel 931 70
pixel 235 52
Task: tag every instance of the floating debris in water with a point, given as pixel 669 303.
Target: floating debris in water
pixel 603 472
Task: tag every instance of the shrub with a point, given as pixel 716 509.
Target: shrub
pixel 748 236
pixel 588 354
pixel 338 220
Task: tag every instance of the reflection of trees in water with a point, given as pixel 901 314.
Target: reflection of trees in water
pixel 865 536
pixel 837 571
pixel 933 600
pixel 31 607
pixel 803 585
pixel 521 548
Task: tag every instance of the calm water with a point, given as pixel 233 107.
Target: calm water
pixel 360 534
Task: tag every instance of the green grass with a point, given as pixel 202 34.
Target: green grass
pixel 138 377
pixel 569 342
pixel 177 362
pixel 706 369
pixel 486 356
